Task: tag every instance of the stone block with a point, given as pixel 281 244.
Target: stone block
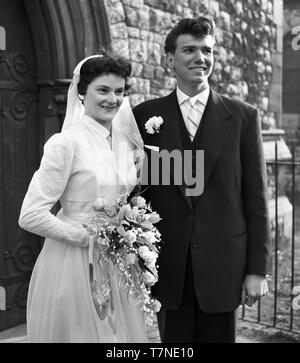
pixel 134 3
pixel 140 85
pixel 137 69
pixel 224 20
pixel 214 8
pixel 120 47
pixel 119 31
pixel 154 54
pixel 136 99
pixel 148 71
pixel 222 54
pixel 138 18
pixel 133 32
pixel 236 74
pixel 159 73
pixel 169 83
pixel 159 21
pixel 117 14
pixel 138 50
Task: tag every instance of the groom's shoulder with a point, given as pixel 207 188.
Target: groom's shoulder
pixel 236 103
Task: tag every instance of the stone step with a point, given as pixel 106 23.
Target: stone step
pixel 14 335
pixel 18 335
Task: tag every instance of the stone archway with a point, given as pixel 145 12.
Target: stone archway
pixel 68 31
pixel 45 40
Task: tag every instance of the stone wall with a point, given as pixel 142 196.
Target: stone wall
pixel 247 55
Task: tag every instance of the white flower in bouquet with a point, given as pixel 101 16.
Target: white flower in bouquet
pixel 141 202
pixel 131 259
pixel 154 218
pixel 99 204
pixel 149 278
pixel 125 212
pixel 156 306
pixel 147 225
pixel 103 242
pixel 148 256
pixel 135 214
pixel 149 237
pixel 130 237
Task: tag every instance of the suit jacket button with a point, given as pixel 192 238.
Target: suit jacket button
pixel 194 245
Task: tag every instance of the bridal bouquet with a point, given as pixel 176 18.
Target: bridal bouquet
pixel 126 235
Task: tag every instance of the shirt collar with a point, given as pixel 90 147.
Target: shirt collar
pixel 96 126
pixel 202 96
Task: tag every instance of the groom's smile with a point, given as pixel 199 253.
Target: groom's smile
pixel 193 61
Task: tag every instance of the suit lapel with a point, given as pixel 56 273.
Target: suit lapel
pixel 171 134
pixel 215 131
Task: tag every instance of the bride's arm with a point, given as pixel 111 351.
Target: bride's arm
pixel 45 189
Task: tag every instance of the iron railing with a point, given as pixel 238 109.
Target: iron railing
pixel 275 309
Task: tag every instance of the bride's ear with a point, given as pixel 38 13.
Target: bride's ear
pixel 81 99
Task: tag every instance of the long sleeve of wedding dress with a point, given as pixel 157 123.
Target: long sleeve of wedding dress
pixel 46 188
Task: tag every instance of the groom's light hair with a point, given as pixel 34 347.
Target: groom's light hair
pixel 198 27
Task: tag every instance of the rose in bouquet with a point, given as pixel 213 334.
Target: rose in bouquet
pixel 127 236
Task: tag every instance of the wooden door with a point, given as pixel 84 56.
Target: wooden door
pixel 18 158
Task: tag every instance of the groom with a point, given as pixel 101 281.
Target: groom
pixel 216 250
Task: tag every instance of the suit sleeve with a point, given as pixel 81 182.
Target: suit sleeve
pixel 254 190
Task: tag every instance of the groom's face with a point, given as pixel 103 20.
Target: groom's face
pixel 193 60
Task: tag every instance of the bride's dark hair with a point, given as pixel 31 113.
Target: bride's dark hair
pixel 106 63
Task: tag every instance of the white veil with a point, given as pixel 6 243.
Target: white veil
pixel 123 123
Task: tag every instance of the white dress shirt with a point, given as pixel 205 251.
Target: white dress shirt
pixel 185 106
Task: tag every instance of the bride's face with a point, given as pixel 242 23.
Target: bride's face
pixel 103 98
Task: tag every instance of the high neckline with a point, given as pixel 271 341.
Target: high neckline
pixel 96 126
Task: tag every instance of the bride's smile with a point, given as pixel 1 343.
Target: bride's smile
pixel 104 97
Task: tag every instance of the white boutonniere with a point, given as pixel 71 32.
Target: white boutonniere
pixel 153 124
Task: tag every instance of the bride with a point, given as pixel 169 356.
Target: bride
pixel 81 164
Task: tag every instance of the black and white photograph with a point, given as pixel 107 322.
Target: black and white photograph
pixel 150 174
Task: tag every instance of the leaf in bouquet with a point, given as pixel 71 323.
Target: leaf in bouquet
pixel 101 303
pixel 154 218
pixel 100 295
pixel 135 192
pixel 151 246
pixel 111 324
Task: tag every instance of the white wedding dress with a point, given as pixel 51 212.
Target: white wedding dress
pixel 78 166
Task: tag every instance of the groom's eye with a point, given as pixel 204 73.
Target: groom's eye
pixel 188 50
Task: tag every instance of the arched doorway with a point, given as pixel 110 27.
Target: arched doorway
pixel 44 41
pixel 18 157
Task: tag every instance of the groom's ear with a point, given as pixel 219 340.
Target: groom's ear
pixel 170 60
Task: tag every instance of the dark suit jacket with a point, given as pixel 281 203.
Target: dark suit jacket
pixel 228 227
